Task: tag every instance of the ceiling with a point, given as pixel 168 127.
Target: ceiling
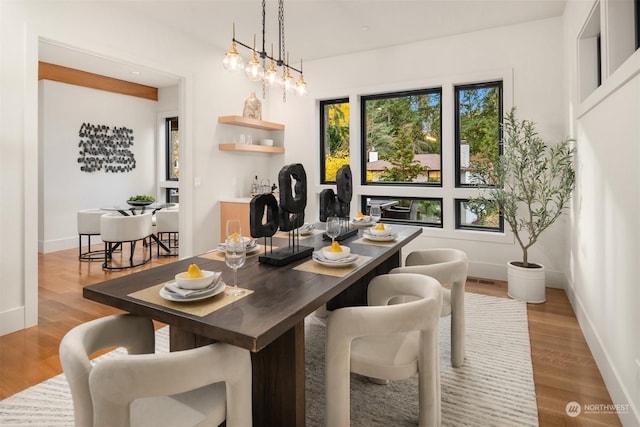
pixel 314 29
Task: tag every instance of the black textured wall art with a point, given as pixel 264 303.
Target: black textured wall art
pixel 104 148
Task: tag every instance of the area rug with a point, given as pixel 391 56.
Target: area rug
pixel 493 388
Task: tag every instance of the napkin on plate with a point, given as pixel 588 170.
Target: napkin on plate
pixel 348 259
pixel 173 286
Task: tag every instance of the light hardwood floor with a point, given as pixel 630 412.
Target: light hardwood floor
pixel 563 367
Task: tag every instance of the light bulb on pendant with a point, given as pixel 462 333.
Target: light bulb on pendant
pixel 271 75
pixel 254 69
pixel 301 85
pixel 233 60
pixel 286 81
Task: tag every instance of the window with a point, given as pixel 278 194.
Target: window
pixel 334 138
pixel 481 218
pixel 173 149
pixel 401 138
pixel 478 118
pixel 407 210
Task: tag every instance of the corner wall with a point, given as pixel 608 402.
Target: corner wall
pixel 605 226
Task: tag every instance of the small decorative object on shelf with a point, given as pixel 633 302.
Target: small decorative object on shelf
pixel 252 107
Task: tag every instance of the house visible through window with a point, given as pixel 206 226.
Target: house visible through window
pixel 401 138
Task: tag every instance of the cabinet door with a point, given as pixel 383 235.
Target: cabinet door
pixel 234 210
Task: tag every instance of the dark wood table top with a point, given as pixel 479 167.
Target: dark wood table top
pixel 282 296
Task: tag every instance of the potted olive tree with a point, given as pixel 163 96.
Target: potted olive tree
pixel 530 185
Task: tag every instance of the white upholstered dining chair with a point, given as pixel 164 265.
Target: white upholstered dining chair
pixel 167 225
pixel 202 386
pixel 384 341
pixel 88 224
pixel 117 229
pixel 449 267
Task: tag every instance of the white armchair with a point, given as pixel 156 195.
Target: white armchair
pixel 167 224
pixel 448 266
pixel 386 342
pixel 117 229
pixel 202 386
pixel 89 225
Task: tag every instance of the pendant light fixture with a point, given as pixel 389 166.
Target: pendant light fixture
pixel 255 68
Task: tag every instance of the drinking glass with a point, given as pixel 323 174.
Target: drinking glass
pixel 233 226
pixel 333 227
pixel 235 255
pixel 375 213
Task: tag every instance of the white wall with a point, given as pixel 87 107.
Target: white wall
pixel 65 189
pixel 527 57
pixel 605 242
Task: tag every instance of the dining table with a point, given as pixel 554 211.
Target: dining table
pixel 268 319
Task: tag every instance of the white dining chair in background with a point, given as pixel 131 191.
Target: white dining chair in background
pixel 117 229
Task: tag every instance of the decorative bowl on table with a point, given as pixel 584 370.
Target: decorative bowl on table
pixel 135 203
pixel 380 230
pixel 194 278
pixel 140 200
pixel 336 252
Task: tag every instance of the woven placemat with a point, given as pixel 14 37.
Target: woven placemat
pixel 313 267
pixel 197 308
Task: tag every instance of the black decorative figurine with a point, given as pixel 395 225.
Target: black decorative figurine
pixel 288 217
pixel 339 205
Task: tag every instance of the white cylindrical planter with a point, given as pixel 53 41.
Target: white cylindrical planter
pixel 526 284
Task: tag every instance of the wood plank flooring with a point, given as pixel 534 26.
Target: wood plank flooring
pixel 563 367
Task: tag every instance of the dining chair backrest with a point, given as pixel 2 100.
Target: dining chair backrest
pixel 115 227
pixel 167 221
pixel 89 221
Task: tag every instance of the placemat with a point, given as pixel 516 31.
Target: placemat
pixel 197 308
pixel 313 267
pixel 364 241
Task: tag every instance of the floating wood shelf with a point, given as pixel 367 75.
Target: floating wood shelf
pixel 251 148
pixel 250 123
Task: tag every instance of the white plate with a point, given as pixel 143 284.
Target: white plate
pixel 362 224
pixel 170 296
pixel 250 249
pixel 306 229
pixel 388 238
pixel 338 263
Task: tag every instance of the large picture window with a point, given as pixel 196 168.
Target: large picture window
pixel 334 138
pixel 401 135
pixel 478 118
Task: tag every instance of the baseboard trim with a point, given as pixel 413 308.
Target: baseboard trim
pixel 618 392
pixel 12 320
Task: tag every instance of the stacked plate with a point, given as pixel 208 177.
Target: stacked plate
pixel 367 234
pixel 251 245
pixel 363 222
pixel 172 292
pixel 342 262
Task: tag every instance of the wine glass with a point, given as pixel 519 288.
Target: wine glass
pixel 333 227
pixel 375 213
pixel 235 255
pixel 233 228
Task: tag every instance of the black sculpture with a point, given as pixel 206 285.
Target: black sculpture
pixel 339 205
pixel 289 216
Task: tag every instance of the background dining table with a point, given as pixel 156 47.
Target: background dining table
pixel 269 318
